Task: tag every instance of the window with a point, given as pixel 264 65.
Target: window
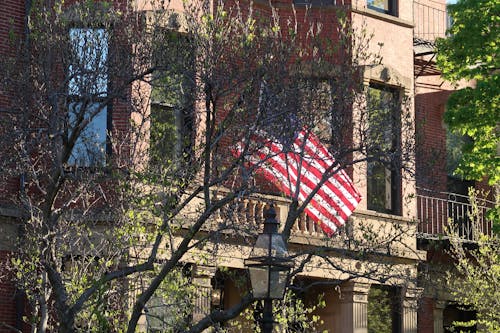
pixel 384 309
pixel 171 307
pixel 455 145
pixel 87 90
pixel 283 107
pixel 172 109
pixel 383 140
pixel 383 6
pixel 314 2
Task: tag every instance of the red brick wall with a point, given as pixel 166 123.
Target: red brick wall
pixel 11 302
pixel 431 140
pixel 11 22
pixel 425 320
pixel 12 25
pixel 11 29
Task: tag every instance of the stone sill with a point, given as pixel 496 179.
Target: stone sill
pixel 8 211
pixel 381 16
pixel 384 216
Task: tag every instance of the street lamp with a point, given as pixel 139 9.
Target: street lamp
pixel 269 267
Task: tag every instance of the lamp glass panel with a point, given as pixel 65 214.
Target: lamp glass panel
pixel 259 280
pixel 261 247
pixel 279 278
pixel 278 247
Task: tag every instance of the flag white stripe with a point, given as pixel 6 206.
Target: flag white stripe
pixel 304 189
pixel 325 191
pixel 352 197
pixel 326 188
pixel 334 201
pixel 311 210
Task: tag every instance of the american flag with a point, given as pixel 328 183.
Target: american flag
pixel 304 165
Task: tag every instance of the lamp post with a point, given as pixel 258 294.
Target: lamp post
pixel 269 267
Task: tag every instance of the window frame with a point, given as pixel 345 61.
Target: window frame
pixel 392 7
pixel 315 3
pixel 182 111
pixel 392 297
pixel 391 175
pixel 95 96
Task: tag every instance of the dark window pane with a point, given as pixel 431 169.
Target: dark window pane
pixel 168 138
pixel 384 309
pixel 383 183
pixel 454 314
pixel 88 64
pixel 314 2
pixel 90 147
pixel 282 107
pixel 378 188
pixel 279 106
pixel 455 145
pixel 172 104
pixel 383 6
pixel 382 106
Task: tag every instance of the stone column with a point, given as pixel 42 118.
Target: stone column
pixel 437 314
pixel 353 308
pixel 202 280
pixel 410 307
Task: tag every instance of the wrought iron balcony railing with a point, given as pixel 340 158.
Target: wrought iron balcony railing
pixel 430 22
pixel 440 210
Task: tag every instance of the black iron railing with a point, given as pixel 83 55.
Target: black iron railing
pixel 430 22
pixel 440 210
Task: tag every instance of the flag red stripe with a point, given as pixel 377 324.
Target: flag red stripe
pixel 334 201
pixel 279 166
pixel 304 179
pixel 340 176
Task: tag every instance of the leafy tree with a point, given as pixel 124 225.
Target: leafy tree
pixel 292 315
pixel 108 217
pixel 379 311
pixel 470 53
pixel 475 278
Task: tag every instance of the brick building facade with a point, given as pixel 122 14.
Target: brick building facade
pixel 407 30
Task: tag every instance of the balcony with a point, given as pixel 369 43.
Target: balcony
pixel 249 211
pixel 430 22
pixel 440 210
pixel 383 232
